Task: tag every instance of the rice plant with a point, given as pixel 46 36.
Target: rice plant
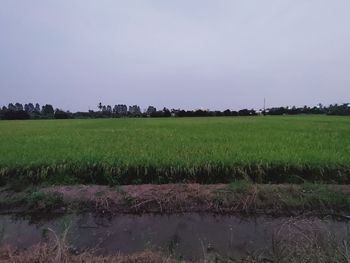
pixel 204 150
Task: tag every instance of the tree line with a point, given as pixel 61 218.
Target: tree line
pixel 18 111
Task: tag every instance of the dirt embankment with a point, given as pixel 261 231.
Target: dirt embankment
pixel 238 197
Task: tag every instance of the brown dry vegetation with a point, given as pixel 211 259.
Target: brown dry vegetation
pixel 238 197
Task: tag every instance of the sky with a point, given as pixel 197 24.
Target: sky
pixel 190 54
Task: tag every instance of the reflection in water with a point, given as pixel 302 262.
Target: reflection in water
pixel 187 235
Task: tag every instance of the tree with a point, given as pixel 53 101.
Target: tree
pixel 135 110
pixel 60 114
pixel 37 108
pixel 227 112
pixel 48 110
pixel 120 110
pixel 11 107
pixel 166 112
pixel 246 112
pixel 109 109
pixel 15 115
pixel 29 108
pixel 150 110
pixel 100 106
pixel 19 106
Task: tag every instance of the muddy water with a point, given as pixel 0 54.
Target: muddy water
pixel 187 235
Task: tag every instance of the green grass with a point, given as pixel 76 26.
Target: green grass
pixel 208 150
pixel 315 196
pixel 44 201
pixel 240 186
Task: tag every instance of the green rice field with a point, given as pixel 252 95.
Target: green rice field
pixel 166 150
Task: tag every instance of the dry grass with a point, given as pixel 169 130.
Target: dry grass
pixel 307 241
pixel 295 241
pixel 238 197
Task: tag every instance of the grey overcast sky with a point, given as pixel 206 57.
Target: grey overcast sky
pixel 214 54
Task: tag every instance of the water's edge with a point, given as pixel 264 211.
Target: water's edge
pixel 185 235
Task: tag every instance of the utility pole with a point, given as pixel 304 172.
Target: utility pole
pixel 264 106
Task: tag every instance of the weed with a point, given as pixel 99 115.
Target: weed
pixel 99 193
pixel 19 184
pixel 2 233
pixel 130 200
pixel 119 189
pixel 316 197
pixel 322 196
pixel 45 201
pixel 240 186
